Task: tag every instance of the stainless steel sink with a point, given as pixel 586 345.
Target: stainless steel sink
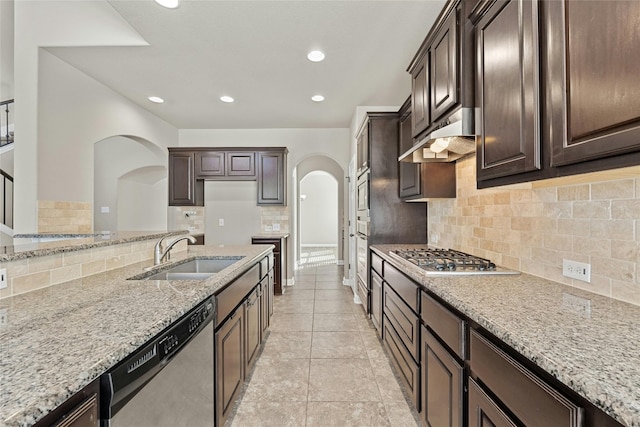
pixel 197 269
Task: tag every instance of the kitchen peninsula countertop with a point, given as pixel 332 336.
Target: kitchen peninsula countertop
pixel 593 351
pixel 36 245
pixel 57 340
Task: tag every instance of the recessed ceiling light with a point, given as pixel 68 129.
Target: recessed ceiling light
pixel 169 4
pixel 315 56
pixel 317 98
pixel 226 98
pixel 156 99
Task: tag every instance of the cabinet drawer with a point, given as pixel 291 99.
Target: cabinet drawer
pixel 407 367
pixel 234 293
pixel 264 267
pixel 404 321
pixel 405 287
pixel 447 326
pixel 363 293
pixel 376 263
pixel 530 399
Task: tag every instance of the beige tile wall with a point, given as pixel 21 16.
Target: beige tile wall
pixel 184 218
pixel 532 227
pixel 40 272
pixel 275 215
pixel 64 217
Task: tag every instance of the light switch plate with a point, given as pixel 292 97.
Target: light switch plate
pixel 104 209
pixel 276 227
pixel 3 278
pixel 221 222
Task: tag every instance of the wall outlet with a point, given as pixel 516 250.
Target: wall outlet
pixel 576 270
pixel 276 227
pixel 104 209
pixel 3 278
pixel 268 228
pixel 221 222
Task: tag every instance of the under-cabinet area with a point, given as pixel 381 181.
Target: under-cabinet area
pixel 490 350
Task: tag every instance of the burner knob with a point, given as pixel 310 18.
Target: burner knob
pixel 491 266
pixel 440 267
pixel 451 265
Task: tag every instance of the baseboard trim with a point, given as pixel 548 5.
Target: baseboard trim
pixel 340 262
pixel 347 282
pixel 290 282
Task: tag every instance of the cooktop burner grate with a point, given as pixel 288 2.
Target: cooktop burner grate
pixel 449 261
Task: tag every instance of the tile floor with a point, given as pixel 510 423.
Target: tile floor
pixel 322 364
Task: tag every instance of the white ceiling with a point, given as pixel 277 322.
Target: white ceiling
pixel 255 51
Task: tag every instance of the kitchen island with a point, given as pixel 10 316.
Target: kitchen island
pixel 586 341
pixel 56 340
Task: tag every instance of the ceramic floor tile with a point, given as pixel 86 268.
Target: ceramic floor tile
pixel 286 379
pixel 274 413
pixel 332 294
pixel 333 285
pixel 299 294
pixel 340 380
pixel 283 305
pixel 400 414
pixel 335 322
pixel 288 345
pixel 303 284
pixel 390 389
pixel 329 278
pixel 337 345
pixel 347 414
pixel 332 306
pixel 283 322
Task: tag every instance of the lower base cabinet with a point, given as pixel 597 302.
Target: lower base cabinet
pixel 253 325
pixel 407 367
pixel 442 385
pixel 81 410
pixel 376 301
pixel 483 411
pixel 230 366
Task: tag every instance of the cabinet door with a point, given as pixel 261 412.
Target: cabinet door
pixel 253 327
pixel 420 117
pixel 483 411
pixel 408 173
pixel 229 364
pixel 442 384
pixel 265 296
pixel 271 178
pixel 592 95
pixel 507 89
pixel 210 163
pixel 444 68
pixel 241 164
pixel 363 149
pixel 182 179
pixel 376 301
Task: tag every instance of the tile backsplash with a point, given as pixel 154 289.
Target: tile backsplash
pixel 274 215
pixel 64 217
pixel 532 227
pixel 189 218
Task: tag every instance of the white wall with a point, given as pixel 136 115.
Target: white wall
pixel 235 203
pixel 6 49
pixel 54 157
pixel 120 164
pixel 318 210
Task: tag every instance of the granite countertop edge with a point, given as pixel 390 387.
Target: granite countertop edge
pixel 593 354
pixel 20 252
pixel 51 331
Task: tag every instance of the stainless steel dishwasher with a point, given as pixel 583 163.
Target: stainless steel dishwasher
pixel 169 381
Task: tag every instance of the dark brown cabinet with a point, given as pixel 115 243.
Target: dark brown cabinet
pixel 443 58
pixel 272 169
pixel 182 182
pixel 442 384
pixel 507 89
pixel 225 165
pixel 421 118
pixel 230 366
pixel 408 173
pixel 376 301
pixel 279 243
pixel 362 151
pixel 80 410
pixel 592 91
pixel 253 327
pixel 483 411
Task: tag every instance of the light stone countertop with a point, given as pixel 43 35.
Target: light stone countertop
pixel 37 245
pixel 272 235
pixel 594 352
pixel 57 340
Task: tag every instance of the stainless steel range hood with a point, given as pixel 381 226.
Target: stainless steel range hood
pixel 454 139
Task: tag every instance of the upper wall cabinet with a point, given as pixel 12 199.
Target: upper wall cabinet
pixel 557 88
pixel 182 180
pixel 190 167
pixel 592 90
pixel 272 167
pixel 408 173
pixel 226 165
pixel 507 89
pixel 436 72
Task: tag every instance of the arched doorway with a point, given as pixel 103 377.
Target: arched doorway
pixel 318 219
pixel 320 168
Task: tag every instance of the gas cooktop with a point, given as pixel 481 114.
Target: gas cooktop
pixel 448 262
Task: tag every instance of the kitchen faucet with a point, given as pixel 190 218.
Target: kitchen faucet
pixel 159 254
